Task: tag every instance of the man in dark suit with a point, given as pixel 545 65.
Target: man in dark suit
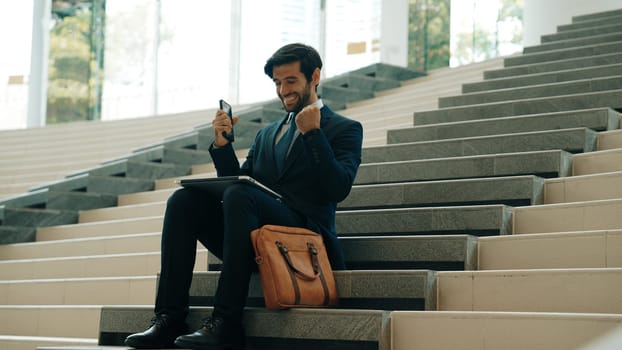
pixel 310 157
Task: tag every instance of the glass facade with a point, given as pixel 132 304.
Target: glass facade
pixel 485 29
pixel 112 59
pixel 15 38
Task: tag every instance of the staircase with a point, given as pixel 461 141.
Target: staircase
pixel 486 219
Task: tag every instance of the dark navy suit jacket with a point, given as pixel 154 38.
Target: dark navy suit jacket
pixel 318 173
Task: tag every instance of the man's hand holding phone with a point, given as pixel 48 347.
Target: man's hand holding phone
pixel 223 125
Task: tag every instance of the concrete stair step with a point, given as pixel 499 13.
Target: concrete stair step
pixel 597 15
pixel 603 99
pixel 13 234
pixel 578 86
pixel 512 190
pixel 581 33
pixel 433 252
pixel 32 177
pixel 99 184
pixel 611 18
pixel 29 343
pixel 611 139
pixel 561 65
pixel 577 216
pixel 486 219
pixel 137 169
pixel 561 54
pixel 394 108
pixel 345 94
pixel 593 290
pixel 145 197
pixel 482 220
pixel 575 140
pixel 60 200
pixel 110 245
pixel 57 167
pixel 543 78
pixel 365 289
pixel 582 249
pixel 329 329
pixel 596 119
pixel 161 125
pixel 201 137
pixel 597 162
pixel 99 134
pixel 114 265
pixel 540 163
pixel 583 188
pixel 101 229
pixel 102 257
pixel 55 154
pixel 80 291
pixel 67 321
pixel 387 71
pixel 550 163
pixel 599 38
pixel 416 330
pixel 27 217
pixel 123 212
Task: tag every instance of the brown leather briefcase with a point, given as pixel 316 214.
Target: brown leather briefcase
pixel 294 267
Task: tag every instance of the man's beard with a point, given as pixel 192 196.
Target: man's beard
pixel 304 100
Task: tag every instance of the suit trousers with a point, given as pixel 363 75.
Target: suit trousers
pixel 224 228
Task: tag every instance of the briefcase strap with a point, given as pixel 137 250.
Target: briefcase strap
pixel 293 271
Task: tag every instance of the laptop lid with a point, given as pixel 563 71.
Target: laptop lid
pixel 217 185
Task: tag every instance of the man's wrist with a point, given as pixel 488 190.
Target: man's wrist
pixel 215 146
pixel 311 131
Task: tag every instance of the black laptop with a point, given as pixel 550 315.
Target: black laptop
pixel 217 185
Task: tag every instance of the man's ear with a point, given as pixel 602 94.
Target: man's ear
pixel 316 77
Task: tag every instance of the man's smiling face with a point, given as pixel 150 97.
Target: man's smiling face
pixel 292 87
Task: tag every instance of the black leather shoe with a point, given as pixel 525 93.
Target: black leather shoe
pixel 215 334
pixel 161 334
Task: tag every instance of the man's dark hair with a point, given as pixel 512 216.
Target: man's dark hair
pixel 309 59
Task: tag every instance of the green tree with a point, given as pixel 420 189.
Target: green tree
pixel 428 35
pixel 75 63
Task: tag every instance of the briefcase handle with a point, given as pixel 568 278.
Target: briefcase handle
pixel 312 252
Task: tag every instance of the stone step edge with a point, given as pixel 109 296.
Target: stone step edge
pixel 493 328
pixel 37 339
pixel 386 315
pixel 524 76
pixel 199 249
pixel 537 86
pixel 492 104
pixel 560 234
pixel 512 117
pixel 156 217
pixel 523 66
pixel 573 42
pixel 570 204
pixel 509 62
pixel 525 272
pixel 196 313
pixel 358 186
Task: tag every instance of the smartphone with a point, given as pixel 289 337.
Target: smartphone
pixel 227 108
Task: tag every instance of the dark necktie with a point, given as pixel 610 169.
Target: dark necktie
pixel 281 148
